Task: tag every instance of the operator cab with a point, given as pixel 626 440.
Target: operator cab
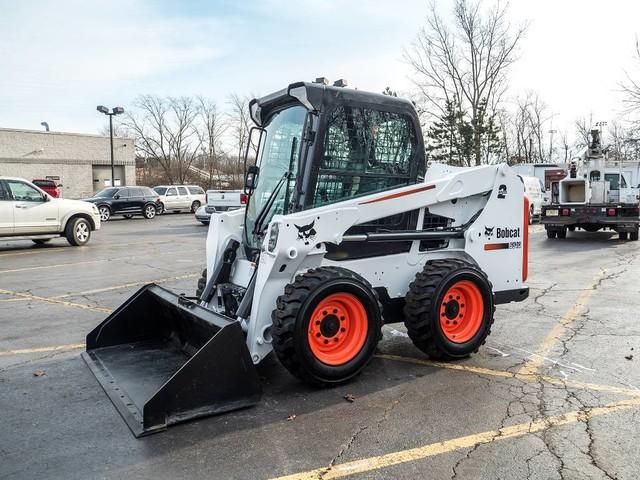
pixel 319 145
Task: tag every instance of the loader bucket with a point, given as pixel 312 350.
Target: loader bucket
pixel 163 359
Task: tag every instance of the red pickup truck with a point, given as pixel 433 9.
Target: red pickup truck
pixel 48 186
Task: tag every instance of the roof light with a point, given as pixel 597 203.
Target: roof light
pixel 322 80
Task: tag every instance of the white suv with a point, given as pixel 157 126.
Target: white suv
pixel 27 212
pixel 177 198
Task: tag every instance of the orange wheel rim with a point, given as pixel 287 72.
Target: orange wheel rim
pixel 338 329
pixel 461 311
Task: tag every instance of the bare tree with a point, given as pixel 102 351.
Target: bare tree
pixel 583 131
pixel 631 89
pixel 212 128
pixel 239 124
pixel 465 63
pixel 166 132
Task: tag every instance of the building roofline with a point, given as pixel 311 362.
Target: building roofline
pixel 42 132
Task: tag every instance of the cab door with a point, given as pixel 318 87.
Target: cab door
pixel 33 211
pixel 6 211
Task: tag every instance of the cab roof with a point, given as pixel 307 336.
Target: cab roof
pixel 314 96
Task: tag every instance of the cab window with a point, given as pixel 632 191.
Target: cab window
pixel 182 191
pixel 196 191
pixel 365 151
pixel 615 180
pixel 123 193
pixel 171 192
pixel 22 192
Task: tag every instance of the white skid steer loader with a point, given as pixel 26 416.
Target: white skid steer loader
pixel 345 229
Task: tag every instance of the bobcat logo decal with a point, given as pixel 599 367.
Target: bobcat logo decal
pixel 502 191
pixel 488 232
pixel 306 233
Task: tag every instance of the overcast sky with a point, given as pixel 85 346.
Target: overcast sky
pixel 59 59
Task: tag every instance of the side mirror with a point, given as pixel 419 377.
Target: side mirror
pixel 251 178
pixel 60 186
pixel 116 196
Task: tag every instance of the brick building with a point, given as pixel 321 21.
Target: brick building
pixel 81 163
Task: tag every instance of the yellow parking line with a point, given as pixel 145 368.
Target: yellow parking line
pixel 558 331
pixel 127 285
pixel 528 377
pixel 469 441
pixel 28 296
pixel 23 351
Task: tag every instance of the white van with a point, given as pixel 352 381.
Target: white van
pixel 534 190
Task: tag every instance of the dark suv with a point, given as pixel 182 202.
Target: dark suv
pixel 126 201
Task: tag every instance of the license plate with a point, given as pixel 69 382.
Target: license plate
pixel 551 213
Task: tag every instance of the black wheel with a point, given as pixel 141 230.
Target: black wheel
pixel 41 241
pixel 572 228
pixel 326 325
pixel 562 233
pixel 160 209
pixel 105 213
pixel 202 282
pixel 195 206
pixel 633 235
pixel 149 211
pixel 551 234
pixel 78 231
pixel 623 235
pixel 531 215
pixel 449 309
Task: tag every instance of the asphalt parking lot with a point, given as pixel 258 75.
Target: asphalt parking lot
pixel 555 392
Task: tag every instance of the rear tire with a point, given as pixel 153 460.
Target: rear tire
pixel 562 233
pixel 149 212
pixel 623 235
pixel 326 325
pixel 41 241
pixel 633 235
pixel 78 231
pixel 195 206
pixel 160 209
pixel 437 320
pixel 551 234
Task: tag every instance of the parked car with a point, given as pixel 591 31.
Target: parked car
pixel 28 212
pixel 49 186
pixel 534 190
pixel 178 198
pixel 220 201
pixel 126 201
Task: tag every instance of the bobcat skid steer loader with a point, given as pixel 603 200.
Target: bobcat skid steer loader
pixel 345 229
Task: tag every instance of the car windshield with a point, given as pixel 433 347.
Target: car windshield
pixel 106 193
pixel 277 158
pixel 160 190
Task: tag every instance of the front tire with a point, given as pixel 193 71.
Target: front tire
pixel 326 325
pixel 149 212
pixel 633 235
pixel 160 209
pixel 195 206
pixel 202 283
pixel 78 232
pixel 105 213
pixel 449 309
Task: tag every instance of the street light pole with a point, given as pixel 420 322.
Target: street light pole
pixel 113 168
pixel 110 114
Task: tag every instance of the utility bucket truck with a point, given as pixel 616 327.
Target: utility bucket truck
pixel 345 229
pixel 592 198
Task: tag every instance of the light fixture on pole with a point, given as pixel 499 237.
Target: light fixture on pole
pixel 114 111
